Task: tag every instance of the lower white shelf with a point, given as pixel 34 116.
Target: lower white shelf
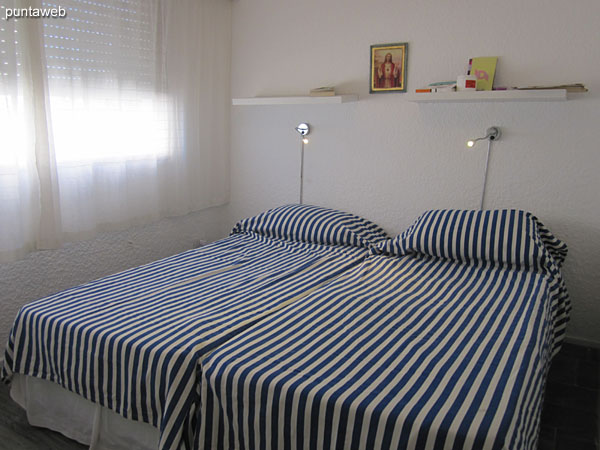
pixel 300 100
pixel 537 95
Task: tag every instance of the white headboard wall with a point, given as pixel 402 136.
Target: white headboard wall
pixel 388 159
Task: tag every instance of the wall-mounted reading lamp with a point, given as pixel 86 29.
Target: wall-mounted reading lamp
pixel 304 130
pixel 491 134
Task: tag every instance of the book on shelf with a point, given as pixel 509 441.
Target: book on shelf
pixel 442 86
pixel 484 69
pixel 325 91
pixel 573 87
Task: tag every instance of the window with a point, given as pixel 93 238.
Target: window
pixel 114 115
pixel 105 100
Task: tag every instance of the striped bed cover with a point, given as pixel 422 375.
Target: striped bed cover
pixel 133 342
pixel 409 350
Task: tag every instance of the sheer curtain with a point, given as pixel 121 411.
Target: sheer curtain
pixel 113 116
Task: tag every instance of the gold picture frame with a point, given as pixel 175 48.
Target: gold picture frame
pixel 388 68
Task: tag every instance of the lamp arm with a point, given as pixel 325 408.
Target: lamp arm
pixel 485 174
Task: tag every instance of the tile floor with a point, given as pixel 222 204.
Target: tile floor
pixel 570 417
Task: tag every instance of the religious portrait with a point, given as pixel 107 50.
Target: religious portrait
pixel 388 68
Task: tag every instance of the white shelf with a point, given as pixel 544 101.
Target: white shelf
pixel 304 100
pixel 542 95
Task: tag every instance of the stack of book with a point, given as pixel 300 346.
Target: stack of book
pixel 325 91
pixel 440 86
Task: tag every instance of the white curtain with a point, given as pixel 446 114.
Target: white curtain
pixel 116 115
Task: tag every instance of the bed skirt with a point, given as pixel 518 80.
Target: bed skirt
pixel 48 405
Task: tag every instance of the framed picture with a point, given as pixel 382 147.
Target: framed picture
pixel 388 68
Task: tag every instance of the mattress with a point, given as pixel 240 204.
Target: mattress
pixel 133 342
pixel 442 339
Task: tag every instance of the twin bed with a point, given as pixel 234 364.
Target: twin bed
pixel 310 328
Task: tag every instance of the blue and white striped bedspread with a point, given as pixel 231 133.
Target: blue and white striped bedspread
pixel 133 342
pixel 410 352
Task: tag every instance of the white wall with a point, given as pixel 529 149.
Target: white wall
pixel 46 272
pixel 388 159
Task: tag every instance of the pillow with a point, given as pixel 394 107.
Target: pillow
pixel 313 224
pixel 505 237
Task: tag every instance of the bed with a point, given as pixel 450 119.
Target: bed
pixel 441 339
pixel 132 343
